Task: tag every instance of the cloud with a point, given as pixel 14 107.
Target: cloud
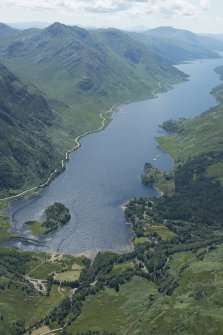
pixel 205 4
pixel 166 8
pixel 173 8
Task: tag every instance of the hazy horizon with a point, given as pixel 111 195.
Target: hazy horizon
pixel 199 16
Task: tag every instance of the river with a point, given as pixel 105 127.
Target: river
pixel 105 172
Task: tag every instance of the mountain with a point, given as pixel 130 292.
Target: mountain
pixel 27 152
pixel 218 37
pixel 7 31
pixel 173 33
pixel 75 65
pixel 197 40
pixel 4 27
pixel 178 45
pixel 78 73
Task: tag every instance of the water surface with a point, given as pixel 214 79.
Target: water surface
pixel 105 172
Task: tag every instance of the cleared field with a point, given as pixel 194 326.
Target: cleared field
pixel 216 171
pixel 45 269
pixel 140 240
pixel 43 265
pixel 162 231
pixel 70 275
pixel 41 331
pixel 122 266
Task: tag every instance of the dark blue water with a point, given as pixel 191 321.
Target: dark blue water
pixel 105 172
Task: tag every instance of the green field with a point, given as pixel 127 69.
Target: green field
pixel 70 275
pixel 196 306
pixel 216 171
pixel 42 266
pixel 16 305
pixel 5 227
pixel 36 227
pixel 117 311
pixel 45 269
pixel 19 299
pixel 140 240
pixel 161 230
pixel 122 266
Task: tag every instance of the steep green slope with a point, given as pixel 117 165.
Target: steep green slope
pixel 77 66
pixel 194 136
pixel 27 152
pixel 9 34
pixel 178 45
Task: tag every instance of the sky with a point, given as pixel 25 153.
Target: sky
pixel 201 16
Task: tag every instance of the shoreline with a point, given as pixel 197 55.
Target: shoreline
pixel 63 161
pixel 60 169
pixel 153 95
pixel 116 107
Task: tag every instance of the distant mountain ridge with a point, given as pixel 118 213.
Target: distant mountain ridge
pixel 170 32
pixel 73 53
pixel 178 45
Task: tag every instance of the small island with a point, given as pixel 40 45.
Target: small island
pixel 56 215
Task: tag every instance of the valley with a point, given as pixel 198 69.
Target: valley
pixel 152 265
pixel 94 200
pixel 79 73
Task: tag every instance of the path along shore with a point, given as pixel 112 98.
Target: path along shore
pixel 77 146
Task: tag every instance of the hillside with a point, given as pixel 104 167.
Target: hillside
pixel 27 152
pixel 196 136
pixel 79 73
pixel 178 45
pixel 77 66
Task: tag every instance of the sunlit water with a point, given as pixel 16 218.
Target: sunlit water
pixel 105 172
